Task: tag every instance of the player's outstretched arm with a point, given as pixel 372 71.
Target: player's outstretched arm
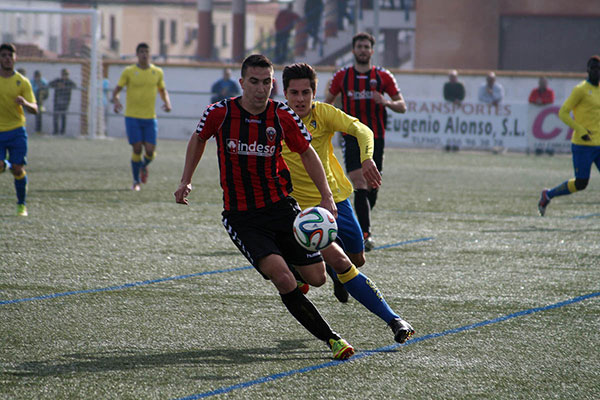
pixel 194 153
pixel 164 95
pixel 315 170
pixel 396 103
pixel 27 105
pixel 115 99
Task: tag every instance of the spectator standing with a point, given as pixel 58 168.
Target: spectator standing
pixel 16 95
pixel 224 88
pixel 542 94
pixel 40 91
pixel 454 90
pixel 284 24
pixel 491 92
pixel 313 12
pixel 62 98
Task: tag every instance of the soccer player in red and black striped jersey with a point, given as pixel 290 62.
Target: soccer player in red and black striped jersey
pixel 258 211
pixel 363 87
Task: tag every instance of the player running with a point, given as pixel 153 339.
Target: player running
pixel 363 88
pixel 16 95
pixel 258 211
pixel 142 81
pixel 322 121
pixel 584 102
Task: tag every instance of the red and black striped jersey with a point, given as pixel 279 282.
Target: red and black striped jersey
pixel 253 172
pixel 357 94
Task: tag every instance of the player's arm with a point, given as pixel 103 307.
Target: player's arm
pixel 330 98
pixel 195 150
pixel 565 114
pixel 115 99
pixel 164 95
pixel 396 103
pixel 29 106
pixel 364 136
pixel 315 170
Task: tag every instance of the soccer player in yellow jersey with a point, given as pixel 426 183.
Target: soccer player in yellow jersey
pixel 16 95
pixel 323 120
pixel 584 102
pixel 142 80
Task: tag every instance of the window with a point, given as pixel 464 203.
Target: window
pixel 223 35
pixel 173 31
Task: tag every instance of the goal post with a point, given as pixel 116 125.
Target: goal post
pixel 51 40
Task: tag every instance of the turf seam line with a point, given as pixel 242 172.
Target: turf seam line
pixel 368 353
pixel 167 279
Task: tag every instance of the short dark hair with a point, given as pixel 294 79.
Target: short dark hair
pixel 8 46
pixel 593 58
pixel 363 36
pixel 142 45
pixel 299 71
pixel 256 60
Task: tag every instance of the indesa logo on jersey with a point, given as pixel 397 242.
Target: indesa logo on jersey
pixel 234 146
pixel 363 94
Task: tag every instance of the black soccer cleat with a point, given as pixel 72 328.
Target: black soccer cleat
pixel 340 291
pixel 402 330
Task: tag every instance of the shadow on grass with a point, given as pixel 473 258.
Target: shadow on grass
pixel 284 351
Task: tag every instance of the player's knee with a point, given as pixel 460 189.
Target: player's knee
pixel 358 259
pixel 581 184
pixel 17 170
pixel 316 280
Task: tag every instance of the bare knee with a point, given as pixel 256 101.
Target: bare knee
pixel 358 259
pixel 313 275
pixel 16 169
pixel 581 184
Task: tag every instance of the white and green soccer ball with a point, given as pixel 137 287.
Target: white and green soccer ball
pixel 315 228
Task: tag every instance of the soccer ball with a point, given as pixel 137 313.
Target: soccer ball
pixel 315 228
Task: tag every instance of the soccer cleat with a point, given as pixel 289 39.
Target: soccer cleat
pixel 402 330
pixel 144 174
pixel 304 288
pixel 369 244
pixel 136 187
pixel 340 291
pixel 341 349
pixel 543 203
pixel 22 210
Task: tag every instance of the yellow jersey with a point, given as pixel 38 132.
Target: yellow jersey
pixel 322 122
pixel 12 115
pixel 142 85
pixel 584 101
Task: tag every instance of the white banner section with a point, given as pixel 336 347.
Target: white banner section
pixel 474 126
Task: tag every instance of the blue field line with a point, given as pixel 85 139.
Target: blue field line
pixel 368 353
pixel 171 278
pixel 587 216
pixel 125 286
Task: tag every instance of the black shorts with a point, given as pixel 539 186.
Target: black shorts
pixel 351 153
pixel 259 233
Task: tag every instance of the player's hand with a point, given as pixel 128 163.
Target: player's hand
pixel 586 137
pixel 20 100
pixel 166 107
pixel 118 106
pixel 378 98
pixel 329 204
pixel 182 193
pixel 371 173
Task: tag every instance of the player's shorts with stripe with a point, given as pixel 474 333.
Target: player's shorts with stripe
pixel 351 152
pixel 583 158
pixel 268 230
pixel 141 130
pixel 349 234
pixel 15 143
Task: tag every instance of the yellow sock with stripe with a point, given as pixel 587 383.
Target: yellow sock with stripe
pixel 21 187
pixel 136 165
pixel 567 187
pixel 366 292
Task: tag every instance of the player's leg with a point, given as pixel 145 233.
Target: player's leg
pixel 150 134
pixel 351 153
pixel 261 247
pixel 55 115
pixel 134 136
pixel 365 291
pixel 17 150
pixel 583 157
